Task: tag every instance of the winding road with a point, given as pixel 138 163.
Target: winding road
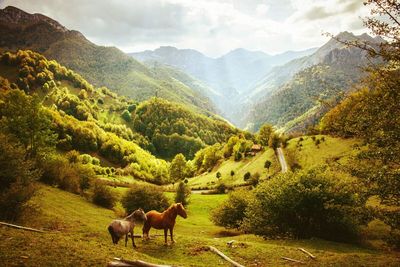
pixel 282 161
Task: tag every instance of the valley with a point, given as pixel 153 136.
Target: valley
pixel 267 153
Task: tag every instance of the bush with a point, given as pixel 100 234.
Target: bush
pixel 307 204
pixel 146 197
pixel 182 194
pixel 232 173
pixel 246 176
pixel 221 188
pixel 231 213
pixel 73 178
pixel 16 179
pixel 86 175
pixel 254 179
pixel 103 196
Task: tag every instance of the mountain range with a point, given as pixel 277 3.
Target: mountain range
pixel 253 85
pixel 249 88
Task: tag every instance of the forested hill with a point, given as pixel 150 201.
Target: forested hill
pixel 101 66
pixel 98 122
pixel 175 129
pixel 296 95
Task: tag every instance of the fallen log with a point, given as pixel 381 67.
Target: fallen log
pixel 222 255
pixel 292 260
pixel 308 253
pixel 22 227
pixel 118 262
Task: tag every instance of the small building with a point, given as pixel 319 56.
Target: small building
pixel 254 150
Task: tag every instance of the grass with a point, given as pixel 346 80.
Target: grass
pixel 78 237
pixel 249 164
pixel 329 151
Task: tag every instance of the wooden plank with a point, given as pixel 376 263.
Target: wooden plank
pixel 308 253
pixel 292 260
pixel 22 227
pixel 222 255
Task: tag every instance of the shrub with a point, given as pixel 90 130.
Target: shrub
pixel 69 179
pixel 16 179
pixel 218 175
pixel 232 173
pixel 86 175
pixel 254 179
pixel 246 176
pixel 221 188
pixel 146 197
pixel 231 213
pixel 307 204
pixel 182 194
pixel 103 196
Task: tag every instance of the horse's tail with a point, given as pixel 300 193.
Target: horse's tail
pixel 112 233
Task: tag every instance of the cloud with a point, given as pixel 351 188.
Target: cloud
pixel 211 26
pixel 316 13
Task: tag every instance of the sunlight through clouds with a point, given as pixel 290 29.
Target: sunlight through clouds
pixel 212 27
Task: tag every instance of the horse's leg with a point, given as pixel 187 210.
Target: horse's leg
pixel 171 231
pixel 165 236
pixel 145 231
pixel 133 239
pixel 126 239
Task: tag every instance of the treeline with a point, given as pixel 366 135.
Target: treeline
pixel 176 129
pixel 373 114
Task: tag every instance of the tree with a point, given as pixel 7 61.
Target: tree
pixel 16 178
pixel 386 24
pixel 178 168
pixel 246 176
pixel 23 117
pixel 218 175
pixel 232 173
pixel 264 134
pixel 182 193
pixel 273 141
pixel 267 164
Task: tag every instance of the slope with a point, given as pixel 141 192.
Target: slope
pixel 101 66
pixel 78 236
pixel 297 94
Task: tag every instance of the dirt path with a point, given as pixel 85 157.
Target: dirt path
pixel 282 161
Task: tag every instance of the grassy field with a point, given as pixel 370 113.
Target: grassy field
pixel 78 237
pixel 250 164
pixel 330 150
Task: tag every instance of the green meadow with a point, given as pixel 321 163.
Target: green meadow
pixel 76 235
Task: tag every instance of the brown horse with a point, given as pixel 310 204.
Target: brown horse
pixel 164 220
pixel 119 228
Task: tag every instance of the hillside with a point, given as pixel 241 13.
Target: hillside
pixel 294 96
pixel 73 240
pixel 176 129
pixel 101 66
pixel 98 122
pixel 251 164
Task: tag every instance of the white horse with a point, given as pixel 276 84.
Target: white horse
pixel 119 228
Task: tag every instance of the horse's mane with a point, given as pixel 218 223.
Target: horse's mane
pixel 170 209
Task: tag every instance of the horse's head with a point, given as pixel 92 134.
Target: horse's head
pixel 138 215
pixel 181 210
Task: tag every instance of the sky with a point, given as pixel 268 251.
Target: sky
pixel 213 27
